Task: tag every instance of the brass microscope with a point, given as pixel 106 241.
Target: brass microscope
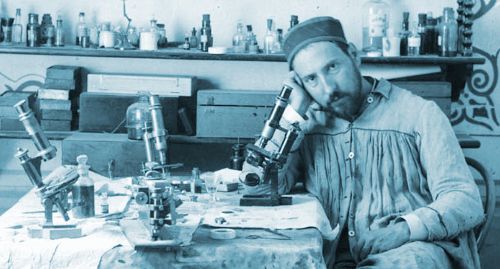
pixel 53 190
pixel 154 188
pixel 270 161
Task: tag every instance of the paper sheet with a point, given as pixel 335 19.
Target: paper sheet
pixel 305 212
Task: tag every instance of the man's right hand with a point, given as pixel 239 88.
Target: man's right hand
pixel 299 98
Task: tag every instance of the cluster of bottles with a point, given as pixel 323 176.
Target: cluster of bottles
pixel 246 42
pixel 37 34
pixel 203 39
pixel 437 36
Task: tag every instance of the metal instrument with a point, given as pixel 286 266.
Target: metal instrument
pixel 154 189
pixel 53 191
pixel 270 162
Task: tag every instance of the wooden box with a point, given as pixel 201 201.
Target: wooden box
pixel 231 113
pixel 127 155
pixel 101 112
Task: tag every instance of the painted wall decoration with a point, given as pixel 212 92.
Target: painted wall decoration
pixel 476 105
pixel 26 82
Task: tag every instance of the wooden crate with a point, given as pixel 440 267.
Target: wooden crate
pixel 230 113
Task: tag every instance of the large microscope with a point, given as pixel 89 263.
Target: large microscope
pixel 53 190
pixel 270 161
pixel 154 189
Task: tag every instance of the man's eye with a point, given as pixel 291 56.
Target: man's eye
pixel 332 66
pixel 310 80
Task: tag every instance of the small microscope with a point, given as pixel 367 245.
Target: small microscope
pixel 53 190
pixel 154 188
pixel 270 161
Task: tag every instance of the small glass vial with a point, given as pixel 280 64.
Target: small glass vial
pixel 270 37
pixel 83 191
pixel 186 45
pixel 193 39
pixel 137 114
pixel 104 203
pixel 82 31
pixel 251 41
pixel 17 28
pixel 195 180
pixel 405 33
pixel 59 40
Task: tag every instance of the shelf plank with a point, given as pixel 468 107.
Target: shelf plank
pixel 180 54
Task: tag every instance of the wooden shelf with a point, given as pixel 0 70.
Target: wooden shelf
pixel 179 54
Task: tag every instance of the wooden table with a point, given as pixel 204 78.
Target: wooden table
pixel 252 248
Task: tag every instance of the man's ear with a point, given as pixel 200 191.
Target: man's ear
pixel 354 54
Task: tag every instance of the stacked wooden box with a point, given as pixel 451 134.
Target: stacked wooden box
pixel 9 118
pixel 57 103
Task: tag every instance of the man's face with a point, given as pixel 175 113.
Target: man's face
pixel 331 77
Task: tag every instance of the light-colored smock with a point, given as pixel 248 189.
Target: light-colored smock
pixel 399 159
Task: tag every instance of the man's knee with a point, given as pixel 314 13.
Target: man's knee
pixel 411 255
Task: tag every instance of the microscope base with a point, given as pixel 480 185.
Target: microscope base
pixel 54 231
pixel 265 200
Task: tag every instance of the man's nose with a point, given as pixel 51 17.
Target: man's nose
pixel 329 85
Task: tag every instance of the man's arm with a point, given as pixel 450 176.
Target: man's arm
pixel 457 205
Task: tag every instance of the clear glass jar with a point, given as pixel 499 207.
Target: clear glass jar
pixel 375 22
pixel 137 115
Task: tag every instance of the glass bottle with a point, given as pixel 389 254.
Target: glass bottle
pixel 83 191
pixel 270 37
pixel 47 31
pixel 375 22
pixel 414 41
pixel 193 39
pixel 206 39
pixel 82 31
pixel 405 33
pixel 33 31
pixel 137 114
pixel 422 22
pixel 186 45
pixel 294 20
pixel 449 33
pixel 154 29
pixel 278 44
pixel 162 35
pixel 239 39
pixel 195 180
pixel 251 41
pixel 17 28
pixel 237 157
pixel 59 40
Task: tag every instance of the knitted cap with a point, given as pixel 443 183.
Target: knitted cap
pixel 310 31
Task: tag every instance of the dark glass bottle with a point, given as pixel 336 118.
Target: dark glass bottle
pixel 237 158
pixel 422 20
pixel 33 31
pixel 405 33
pixel 206 39
pixel 47 31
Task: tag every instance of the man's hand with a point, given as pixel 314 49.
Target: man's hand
pixel 299 98
pixel 383 239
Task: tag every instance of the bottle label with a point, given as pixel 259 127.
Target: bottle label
pixel 414 42
pixel 203 38
pixel 376 23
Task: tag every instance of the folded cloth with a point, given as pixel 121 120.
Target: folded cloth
pixel 305 212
